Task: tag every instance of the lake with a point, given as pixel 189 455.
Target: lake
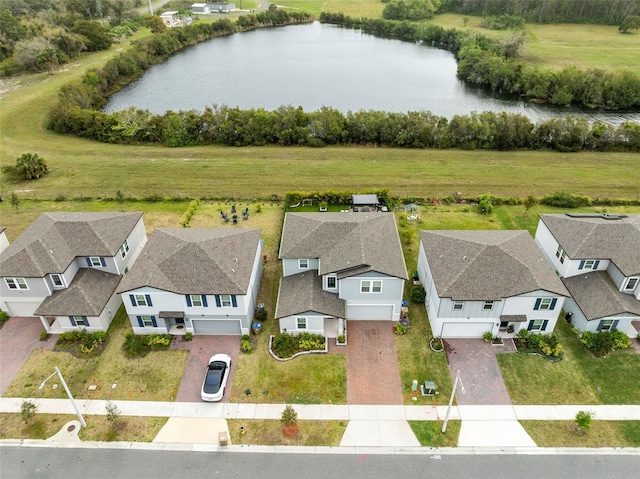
pixel 317 65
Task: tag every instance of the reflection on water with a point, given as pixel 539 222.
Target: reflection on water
pixel 322 65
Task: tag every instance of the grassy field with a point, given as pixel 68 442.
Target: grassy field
pixel 575 379
pixel 268 432
pixel 43 426
pixel 600 434
pixel 353 8
pixel 155 377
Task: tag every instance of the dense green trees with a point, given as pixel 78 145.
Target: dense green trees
pixel 410 9
pixel 631 22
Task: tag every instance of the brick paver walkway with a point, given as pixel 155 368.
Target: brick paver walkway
pixel 18 337
pixel 372 365
pixel 479 371
pixel 200 350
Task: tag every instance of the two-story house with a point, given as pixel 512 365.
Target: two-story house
pixel 598 258
pixel 487 281
pixel 198 280
pixel 339 266
pixel 65 268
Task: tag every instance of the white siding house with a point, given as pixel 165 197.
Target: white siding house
pixel 198 280
pixel 65 268
pixel 339 266
pixel 487 281
pixel 598 258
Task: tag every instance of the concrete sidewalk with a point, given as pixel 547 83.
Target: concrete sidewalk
pixel 369 425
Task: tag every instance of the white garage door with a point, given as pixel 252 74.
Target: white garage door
pixel 465 330
pixel 21 308
pixel 370 312
pixel 216 326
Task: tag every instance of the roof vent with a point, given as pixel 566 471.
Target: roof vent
pixel 464 257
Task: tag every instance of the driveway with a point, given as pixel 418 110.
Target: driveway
pixel 200 350
pixel 372 365
pixel 18 337
pixel 479 371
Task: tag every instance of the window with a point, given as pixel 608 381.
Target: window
pixel 124 249
pixel 545 304
pixel 148 321
pixel 57 280
pixel 140 300
pixel 196 300
pixel 537 325
pixel 631 284
pixel 225 300
pixel 302 323
pixel 606 325
pixel 589 264
pixel 371 286
pixel 487 306
pixel 561 254
pixel 458 305
pixel 79 321
pixel 303 263
pixel 16 283
pixel 95 262
pixel 331 282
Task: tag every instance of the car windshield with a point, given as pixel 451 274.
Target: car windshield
pixel 215 374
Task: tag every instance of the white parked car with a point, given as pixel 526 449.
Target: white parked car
pixel 215 379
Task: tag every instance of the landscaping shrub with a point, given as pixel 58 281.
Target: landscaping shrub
pixel 136 345
pixel 261 314
pixel 285 345
pixel 3 317
pixel 418 294
pixel 604 342
pixel 548 346
pixel 81 342
pixel 566 200
pixel 400 329
pixel 29 166
pixel 245 344
pixel 28 410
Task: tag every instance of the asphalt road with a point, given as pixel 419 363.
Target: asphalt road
pixel 68 463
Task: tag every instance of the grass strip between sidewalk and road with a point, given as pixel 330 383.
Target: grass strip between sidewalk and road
pixel 599 434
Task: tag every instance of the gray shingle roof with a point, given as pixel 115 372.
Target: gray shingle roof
pixel 196 261
pixel 343 241
pixel 487 265
pixel 303 292
pixel 597 296
pixel 365 199
pixel 51 242
pixel 595 237
pixel 87 295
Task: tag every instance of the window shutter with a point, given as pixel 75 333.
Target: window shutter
pixel 596 264
pixel 148 298
pixel 530 326
pixel 140 322
pixel 544 325
pixel 537 306
pixel 553 304
pixel 102 262
pixel 581 265
pixel 188 300
pixel 234 302
pixel 88 262
pixel 600 324
pixel 204 301
pixel 73 321
pixel 153 321
pixel 218 303
pixel 614 326
pixel 133 300
pixel 86 321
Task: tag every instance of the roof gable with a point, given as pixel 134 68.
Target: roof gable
pixel 597 236
pixel 54 240
pixel 487 265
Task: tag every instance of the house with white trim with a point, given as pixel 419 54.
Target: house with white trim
pixel 65 268
pixel 4 242
pixel 339 266
pixel 198 280
pixel 487 281
pixel 597 255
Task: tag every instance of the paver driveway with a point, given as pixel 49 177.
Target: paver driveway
pixel 18 337
pixel 372 365
pixel 479 371
pixel 200 350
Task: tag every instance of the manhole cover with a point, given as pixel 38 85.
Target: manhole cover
pixel 71 428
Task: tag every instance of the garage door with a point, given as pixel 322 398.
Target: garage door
pixel 216 326
pixel 369 312
pixel 465 330
pixel 21 308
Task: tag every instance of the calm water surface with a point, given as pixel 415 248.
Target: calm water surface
pixel 319 65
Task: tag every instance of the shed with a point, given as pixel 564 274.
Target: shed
pixel 365 203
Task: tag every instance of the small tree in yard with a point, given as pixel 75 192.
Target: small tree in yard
pixel 582 422
pixel 529 202
pixel 28 411
pixel 289 421
pixel 113 414
pixel 15 201
pixel 29 166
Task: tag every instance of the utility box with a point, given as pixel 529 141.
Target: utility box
pixel 223 438
pixel 428 388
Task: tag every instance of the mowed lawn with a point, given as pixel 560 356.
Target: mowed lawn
pixel 580 378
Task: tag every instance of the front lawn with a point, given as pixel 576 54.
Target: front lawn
pixel 155 377
pixel 600 434
pixel 580 378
